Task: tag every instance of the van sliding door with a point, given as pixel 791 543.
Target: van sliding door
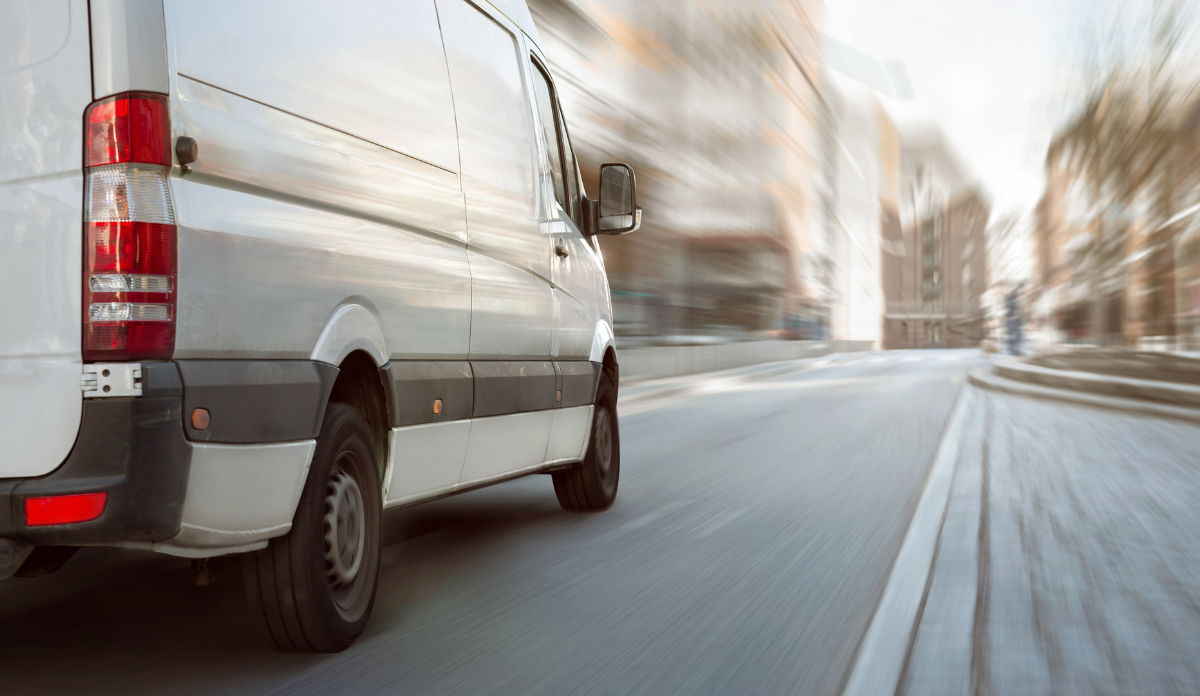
pixel 511 297
pixel 510 259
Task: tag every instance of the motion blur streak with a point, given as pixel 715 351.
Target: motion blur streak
pixel 820 274
pixel 1117 230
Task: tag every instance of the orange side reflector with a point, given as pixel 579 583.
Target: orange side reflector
pixel 64 509
pixel 437 406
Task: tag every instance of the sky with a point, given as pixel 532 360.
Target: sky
pixel 991 72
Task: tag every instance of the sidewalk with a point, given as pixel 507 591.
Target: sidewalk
pixel 1155 384
pixel 1067 561
pixel 1129 364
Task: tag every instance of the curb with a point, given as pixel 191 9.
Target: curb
pixel 994 382
pixel 881 656
pixel 1183 395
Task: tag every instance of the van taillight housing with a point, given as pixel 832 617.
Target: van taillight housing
pixel 130 127
pixel 130 251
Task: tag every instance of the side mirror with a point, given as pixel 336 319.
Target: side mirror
pixel 618 209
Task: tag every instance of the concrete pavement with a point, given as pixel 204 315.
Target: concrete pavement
pixel 1067 561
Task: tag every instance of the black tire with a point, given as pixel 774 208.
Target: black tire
pixel 592 484
pixel 312 590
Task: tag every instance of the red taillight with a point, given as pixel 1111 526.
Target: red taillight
pixel 131 127
pixel 145 248
pixel 130 257
pixel 64 509
pixel 130 291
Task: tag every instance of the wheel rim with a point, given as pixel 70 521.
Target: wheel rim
pixel 604 444
pixel 345 534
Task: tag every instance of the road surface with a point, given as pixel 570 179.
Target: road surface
pixel 754 531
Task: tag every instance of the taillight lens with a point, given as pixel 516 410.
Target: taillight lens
pixel 130 292
pixel 130 255
pixel 130 127
pixel 64 509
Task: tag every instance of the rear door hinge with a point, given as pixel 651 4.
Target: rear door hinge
pixel 104 380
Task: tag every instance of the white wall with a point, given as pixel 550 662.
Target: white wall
pixel 858 310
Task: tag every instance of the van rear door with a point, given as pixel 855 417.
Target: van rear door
pixel 45 86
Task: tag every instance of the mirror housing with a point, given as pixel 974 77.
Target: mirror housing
pixel 616 211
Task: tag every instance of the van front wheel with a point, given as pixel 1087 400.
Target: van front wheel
pixel 592 484
pixel 313 589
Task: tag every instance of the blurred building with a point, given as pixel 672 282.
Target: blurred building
pixel 1187 245
pixel 1113 273
pixel 1064 226
pixel 717 104
pixel 908 230
pixel 861 192
pixel 935 267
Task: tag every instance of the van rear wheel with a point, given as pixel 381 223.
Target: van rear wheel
pixel 312 590
pixel 592 484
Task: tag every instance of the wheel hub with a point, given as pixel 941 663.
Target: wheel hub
pixel 604 444
pixel 345 529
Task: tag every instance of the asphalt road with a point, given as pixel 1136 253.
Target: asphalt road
pixel 754 531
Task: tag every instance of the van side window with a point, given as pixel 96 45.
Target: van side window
pixel 545 107
pixel 490 106
pixel 558 145
pixel 572 174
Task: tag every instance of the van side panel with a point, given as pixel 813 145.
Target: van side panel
pixel 45 86
pixel 129 47
pixel 371 68
pixel 314 188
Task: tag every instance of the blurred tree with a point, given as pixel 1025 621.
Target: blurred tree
pixel 1123 144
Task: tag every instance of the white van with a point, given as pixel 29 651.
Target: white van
pixel 271 267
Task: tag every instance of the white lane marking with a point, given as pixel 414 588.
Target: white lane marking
pixel 880 656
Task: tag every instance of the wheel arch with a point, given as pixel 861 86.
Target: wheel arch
pixel 353 326
pixel 611 368
pixel 360 385
pixel 603 343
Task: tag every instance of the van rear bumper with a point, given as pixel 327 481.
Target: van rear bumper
pixel 134 449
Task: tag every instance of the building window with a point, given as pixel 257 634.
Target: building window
pixel 933 334
pixel 931 261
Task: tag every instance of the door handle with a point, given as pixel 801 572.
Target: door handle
pixel 561 250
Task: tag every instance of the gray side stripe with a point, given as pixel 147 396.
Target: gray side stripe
pixel 485 388
pixel 416 384
pixel 513 387
pixel 256 400
pixel 577 380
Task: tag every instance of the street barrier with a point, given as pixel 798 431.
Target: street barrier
pixel 656 362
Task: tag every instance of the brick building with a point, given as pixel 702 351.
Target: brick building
pixel 935 268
